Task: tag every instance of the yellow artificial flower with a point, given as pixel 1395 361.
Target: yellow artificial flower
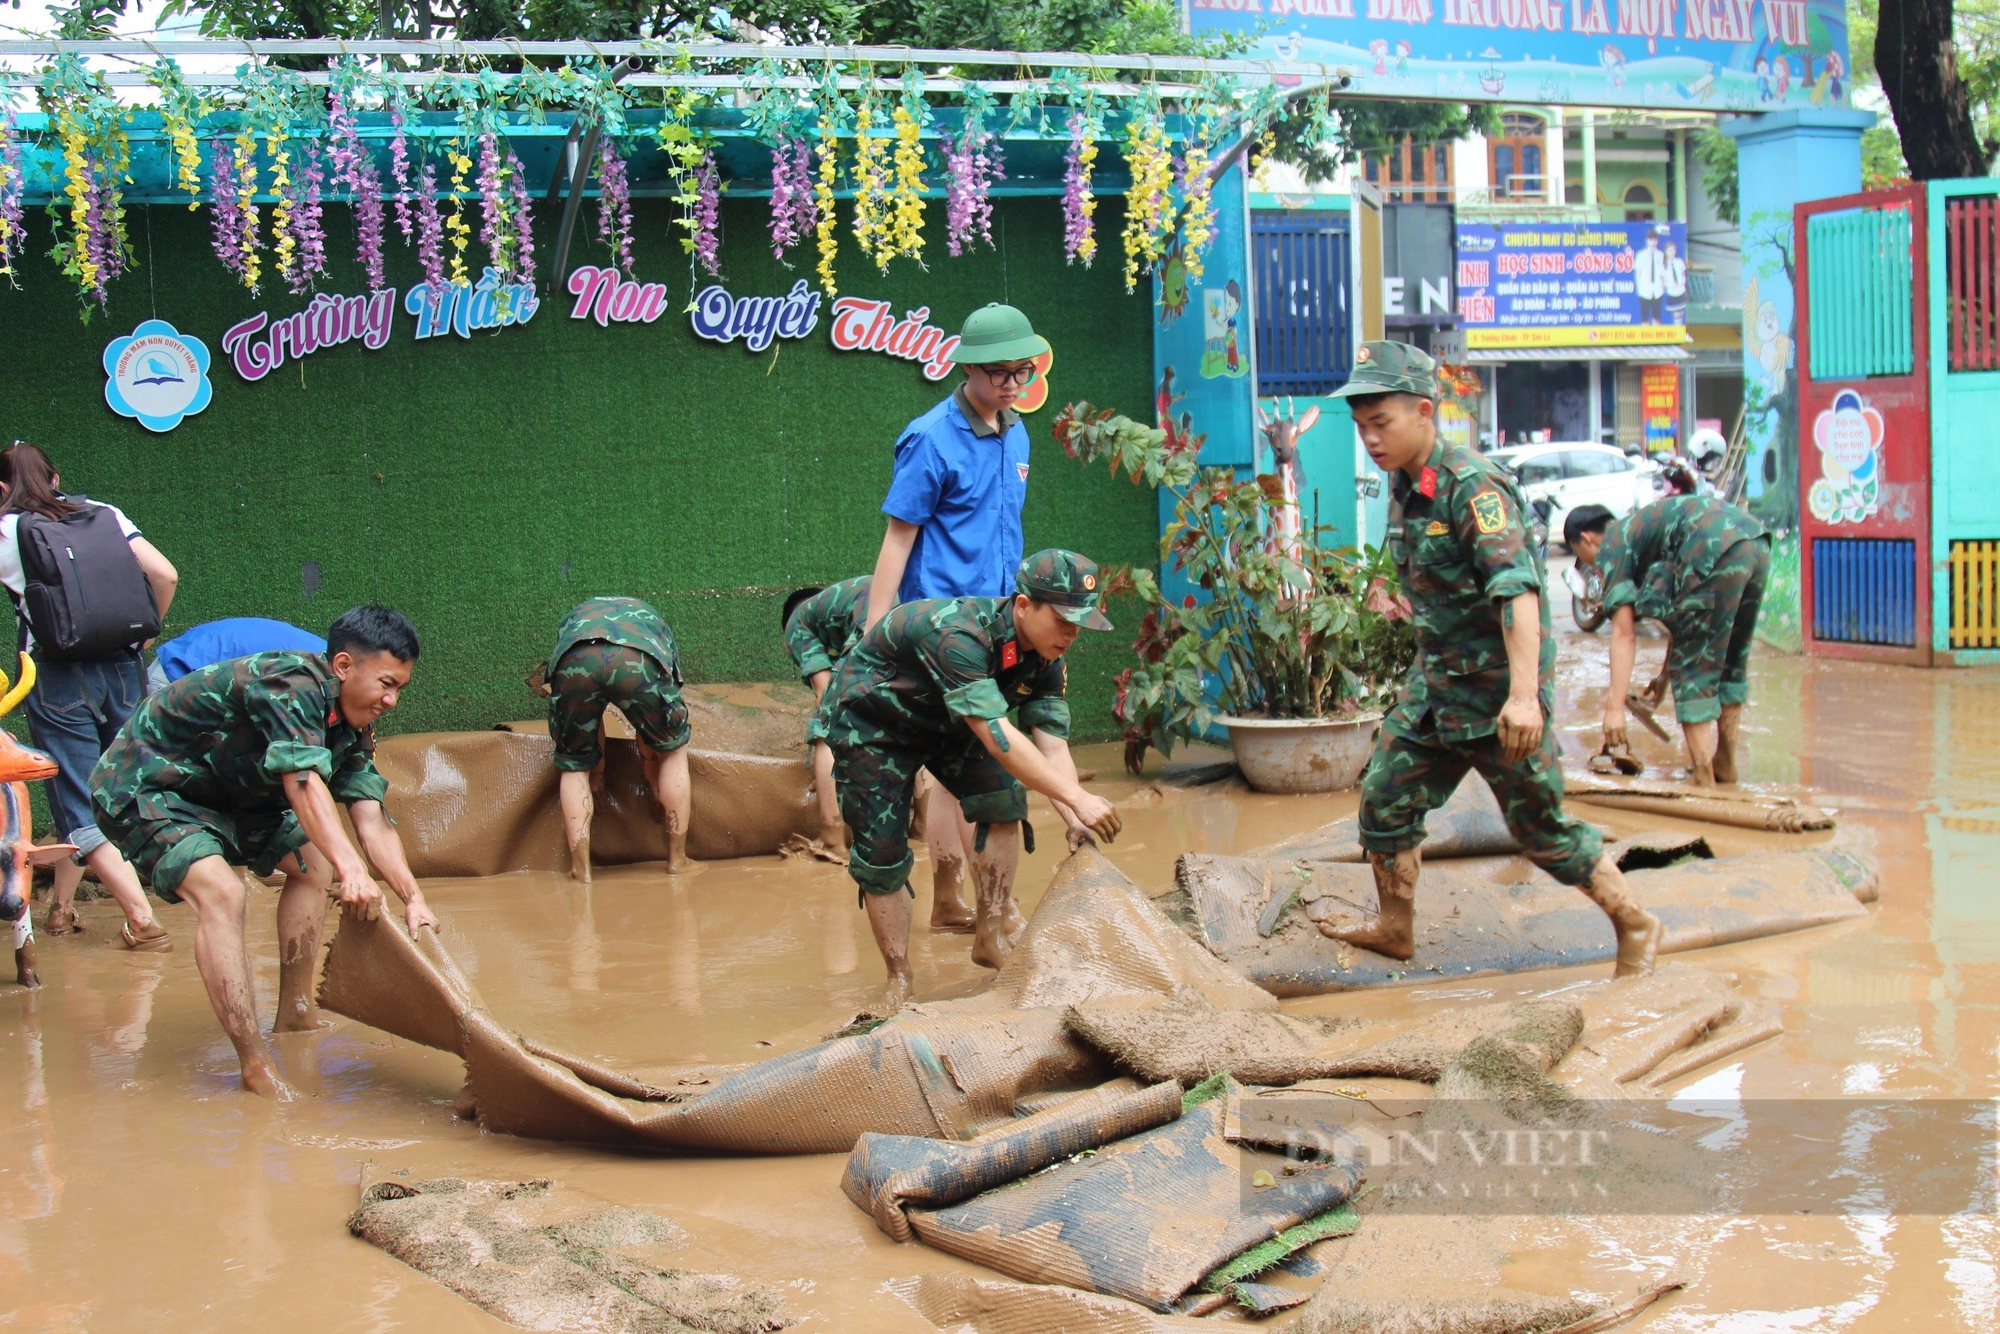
pixel 905 235
pixel 281 210
pixel 1149 201
pixel 245 162
pixel 461 231
pixel 828 149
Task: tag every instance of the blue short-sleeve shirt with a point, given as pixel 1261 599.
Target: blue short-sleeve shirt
pixel 963 485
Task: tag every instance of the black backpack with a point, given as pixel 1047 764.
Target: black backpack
pixel 86 595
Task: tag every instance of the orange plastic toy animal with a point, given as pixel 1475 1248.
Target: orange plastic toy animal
pixel 19 766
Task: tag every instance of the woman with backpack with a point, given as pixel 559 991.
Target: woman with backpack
pixel 88 591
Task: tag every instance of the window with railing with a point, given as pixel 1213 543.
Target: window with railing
pixel 1411 173
pixel 1516 155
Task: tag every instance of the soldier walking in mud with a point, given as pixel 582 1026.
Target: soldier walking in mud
pixel 1481 692
pixel 240 764
pixel 1699 566
pixel 930 686
pixel 954 526
pixel 821 625
pixel 617 651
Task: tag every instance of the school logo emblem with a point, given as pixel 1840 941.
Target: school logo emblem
pixel 1489 512
pixel 156 376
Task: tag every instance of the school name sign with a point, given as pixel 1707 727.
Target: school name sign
pixel 1709 55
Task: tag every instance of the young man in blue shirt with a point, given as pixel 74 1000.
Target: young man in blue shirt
pixel 954 508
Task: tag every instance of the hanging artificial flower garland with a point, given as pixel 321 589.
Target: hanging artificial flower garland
pixel 1079 201
pixel 180 109
pixel 1197 212
pixel 354 171
pixel 972 166
pixel 13 187
pixel 781 123
pixel 826 240
pixel 90 127
pixel 691 171
pixel 1149 204
pixel 903 233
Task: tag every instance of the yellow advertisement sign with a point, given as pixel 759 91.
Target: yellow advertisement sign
pixel 1627 335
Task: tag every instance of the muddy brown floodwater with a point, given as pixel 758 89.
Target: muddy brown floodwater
pixel 140 1189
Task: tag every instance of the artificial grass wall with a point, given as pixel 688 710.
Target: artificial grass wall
pixel 484 486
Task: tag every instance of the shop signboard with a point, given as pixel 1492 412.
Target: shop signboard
pixel 1417 263
pixel 1660 406
pixel 1569 284
pixel 1706 55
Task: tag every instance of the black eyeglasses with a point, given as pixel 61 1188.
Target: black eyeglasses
pixel 1002 376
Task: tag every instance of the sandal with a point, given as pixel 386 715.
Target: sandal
pixel 64 921
pixel 152 939
pixel 1616 760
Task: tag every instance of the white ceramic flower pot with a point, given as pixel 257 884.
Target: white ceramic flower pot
pixel 1302 754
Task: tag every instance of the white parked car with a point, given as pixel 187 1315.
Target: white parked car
pixel 1569 474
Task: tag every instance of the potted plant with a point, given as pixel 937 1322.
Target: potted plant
pixel 1297 647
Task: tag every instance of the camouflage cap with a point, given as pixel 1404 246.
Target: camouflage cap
pixel 1386 367
pixel 1066 581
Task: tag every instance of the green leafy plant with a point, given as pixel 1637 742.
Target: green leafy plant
pixel 1289 629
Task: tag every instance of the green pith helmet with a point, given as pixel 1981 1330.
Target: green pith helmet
pixel 1386 367
pixel 996 333
pixel 1066 581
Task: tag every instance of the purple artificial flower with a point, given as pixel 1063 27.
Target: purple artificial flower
pixel 223 209
pixel 97 235
pixel 430 233
pixel 399 168
pixel 708 216
pixel 1078 243
pixel 524 221
pixel 972 164
pixel 354 171
pixel 307 224
pixel 794 209
pixel 11 221
pixel 493 229
pixel 614 204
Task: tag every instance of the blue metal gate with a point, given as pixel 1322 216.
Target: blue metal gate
pixel 1865 590
pixel 1300 262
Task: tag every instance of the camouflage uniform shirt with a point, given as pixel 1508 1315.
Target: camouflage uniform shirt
pixel 1656 555
pixel 224 737
pixel 1462 550
pixel 627 622
pixel 826 625
pixel 928 665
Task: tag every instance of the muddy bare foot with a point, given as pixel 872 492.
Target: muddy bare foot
pixel 897 994
pixel 63 920
pixel 579 860
pixel 302 1019
pixel 1371 936
pixel 263 1081
pixel 949 912
pixel 990 942
pixel 682 864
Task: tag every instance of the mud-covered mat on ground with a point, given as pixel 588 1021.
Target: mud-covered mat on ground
pixel 484 803
pixel 946 1071
pixel 1146 1217
pixel 1469 824
pixel 1264 916
pixel 539 1256
pixel 1772 813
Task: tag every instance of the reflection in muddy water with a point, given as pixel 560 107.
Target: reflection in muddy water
pixel 139 1190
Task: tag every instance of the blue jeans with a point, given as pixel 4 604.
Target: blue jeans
pixel 74 711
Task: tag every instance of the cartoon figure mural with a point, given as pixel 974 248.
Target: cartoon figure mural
pixel 1765 340
pixel 1849 436
pixel 1222 349
pixel 1380 50
pixel 1612 59
pixel 1173 283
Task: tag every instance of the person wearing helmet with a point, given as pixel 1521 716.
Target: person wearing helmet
pixel 954 527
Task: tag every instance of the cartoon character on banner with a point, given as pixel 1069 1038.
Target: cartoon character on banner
pixel 1849 435
pixel 1221 353
pixel 1173 284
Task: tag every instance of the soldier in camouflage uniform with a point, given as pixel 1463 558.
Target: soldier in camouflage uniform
pixel 930 686
pixel 1699 566
pixel 617 651
pixel 1481 691
pixel 821 625
pixel 240 764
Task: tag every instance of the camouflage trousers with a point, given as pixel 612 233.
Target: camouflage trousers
pixel 597 673
pixel 875 775
pixel 163 835
pixel 1410 776
pixel 1712 625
